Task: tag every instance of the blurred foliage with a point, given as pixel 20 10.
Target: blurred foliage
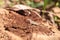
pixel 1 3
pixel 43 3
pixel 34 3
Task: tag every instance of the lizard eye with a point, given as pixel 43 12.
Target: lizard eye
pixel 22 12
